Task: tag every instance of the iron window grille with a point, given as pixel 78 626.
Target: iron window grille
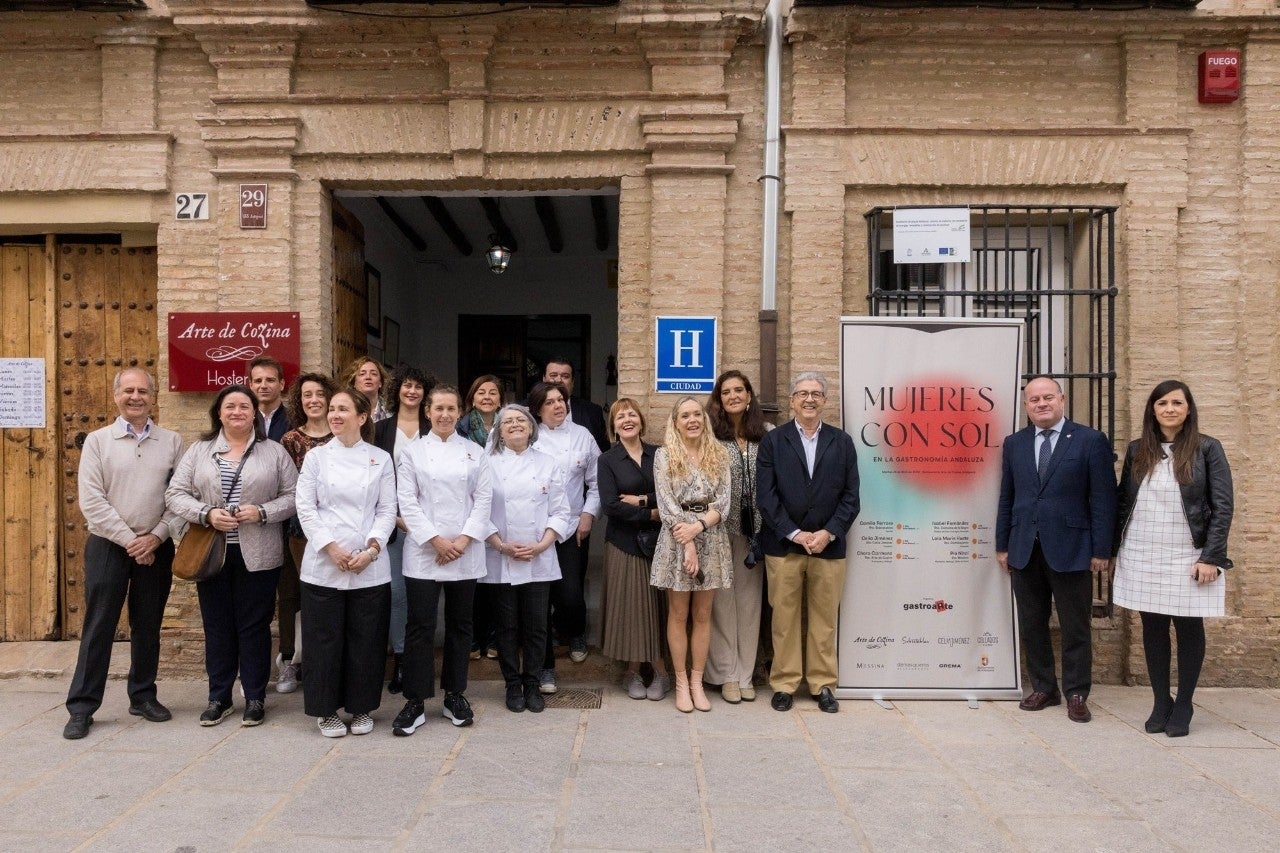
pixel 1054 267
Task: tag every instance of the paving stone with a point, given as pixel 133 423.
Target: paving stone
pixel 634 807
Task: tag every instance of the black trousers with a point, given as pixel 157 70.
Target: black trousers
pixel 484 617
pixel 418 665
pixel 236 606
pixel 568 596
pixel 110 577
pixel 522 629
pixel 1037 588
pixel 345 634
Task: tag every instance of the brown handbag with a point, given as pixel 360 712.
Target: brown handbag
pixel 200 554
pixel 203 549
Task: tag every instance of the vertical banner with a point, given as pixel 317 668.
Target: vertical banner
pixel 927 610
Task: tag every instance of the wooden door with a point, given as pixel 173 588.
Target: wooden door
pixel 106 321
pixel 28 483
pixel 350 290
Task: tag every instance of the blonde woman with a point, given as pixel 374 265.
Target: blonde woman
pixel 692 559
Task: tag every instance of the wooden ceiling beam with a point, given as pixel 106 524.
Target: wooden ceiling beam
pixel 497 223
pixel 550 224
pixel 600 213
pixel 447 224
pixel 414 238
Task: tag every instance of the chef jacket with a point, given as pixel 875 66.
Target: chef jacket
pixel 576 452
pixel 444 490
pixel 528 497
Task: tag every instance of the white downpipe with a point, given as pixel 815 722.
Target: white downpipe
pixel 772 144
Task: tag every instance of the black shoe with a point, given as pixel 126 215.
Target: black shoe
pixel 77 727
pixel 1159 717
pixel 216 712
pixel 1179 724
pixel 255 710
pixel 827 701
pixel 781 701
pixel 396 684
pixel 533 698
pixel 515 698
pixel 457 710
pixel 410 717
pixel 151 711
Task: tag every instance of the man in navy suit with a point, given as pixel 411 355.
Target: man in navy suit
pixel 807 491
pixel 1053 530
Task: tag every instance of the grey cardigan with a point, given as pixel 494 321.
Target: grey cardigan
pixel 268 481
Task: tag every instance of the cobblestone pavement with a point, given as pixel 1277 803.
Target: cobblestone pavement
pixel 634 775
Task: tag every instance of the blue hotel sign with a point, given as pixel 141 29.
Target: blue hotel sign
pixel 686 355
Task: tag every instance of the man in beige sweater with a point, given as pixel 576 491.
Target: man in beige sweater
pixel 124 469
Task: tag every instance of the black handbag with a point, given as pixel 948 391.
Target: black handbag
pixel 647 542
pixel 746 515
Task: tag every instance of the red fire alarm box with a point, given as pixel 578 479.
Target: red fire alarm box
pixel 1219 76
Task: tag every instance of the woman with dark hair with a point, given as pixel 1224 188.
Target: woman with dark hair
pixel 369 378
pixel 406 421
pixel 308 405
pixel 691 560
pixel 530 513
pixel 236 481
pixel 445 495
pixel 738 422
pixel 632 606
pixel 576 452
pixel 484 398
pixel 1174 513
pixel 347 506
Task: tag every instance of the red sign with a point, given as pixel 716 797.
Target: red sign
pixel 210 350
pixel 253 205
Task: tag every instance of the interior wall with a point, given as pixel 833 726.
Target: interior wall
pixel 426 295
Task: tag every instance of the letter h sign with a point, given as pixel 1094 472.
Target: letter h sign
pixel 685 349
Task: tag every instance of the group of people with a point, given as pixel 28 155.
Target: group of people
pixel 349 513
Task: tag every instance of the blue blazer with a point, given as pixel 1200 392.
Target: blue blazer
pixel 789 499
pixel 1073 514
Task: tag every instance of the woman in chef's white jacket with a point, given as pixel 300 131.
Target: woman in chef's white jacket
pixel 346 499
pixel 445 495
pixel 531 513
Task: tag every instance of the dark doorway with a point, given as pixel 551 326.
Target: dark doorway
pixel 516 348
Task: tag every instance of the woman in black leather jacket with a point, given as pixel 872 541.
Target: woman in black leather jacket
pixel 1174 510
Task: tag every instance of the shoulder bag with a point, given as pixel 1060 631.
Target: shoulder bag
pixel 203 549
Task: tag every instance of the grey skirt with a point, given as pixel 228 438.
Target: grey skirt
pixel 633 610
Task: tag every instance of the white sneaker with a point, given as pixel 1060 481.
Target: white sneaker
pixel 287 680
pixel 332 726
pixel 361 724
pixel 634 685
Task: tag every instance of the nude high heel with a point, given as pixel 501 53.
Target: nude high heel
pixel 696 692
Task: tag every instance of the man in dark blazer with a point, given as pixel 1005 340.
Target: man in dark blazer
pixel 1053 530
pixel 807 491
pixel 266 378
pixel 582 412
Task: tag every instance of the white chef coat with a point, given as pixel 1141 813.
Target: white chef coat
pixel 528 497
pixel 576 451
pixel 346 495
pixel 444 491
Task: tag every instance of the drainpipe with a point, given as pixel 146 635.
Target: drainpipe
pixel 769 261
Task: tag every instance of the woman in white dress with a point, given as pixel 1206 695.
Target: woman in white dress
pixel 530 514
pixel 692 558
pixel 346 501
pixel 445 494
pixel 1174 512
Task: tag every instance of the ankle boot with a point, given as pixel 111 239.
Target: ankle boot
pixel 684 703
pixel 696 692
pixel 397 677
pixel 1159 715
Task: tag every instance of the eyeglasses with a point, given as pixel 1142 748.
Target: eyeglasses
pixel 512 422
pixel 810 395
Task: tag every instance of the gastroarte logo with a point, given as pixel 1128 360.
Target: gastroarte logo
pixel 988 639
pixel 937 605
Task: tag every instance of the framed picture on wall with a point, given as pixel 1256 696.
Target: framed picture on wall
pixel 390 342
pixel 373 289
